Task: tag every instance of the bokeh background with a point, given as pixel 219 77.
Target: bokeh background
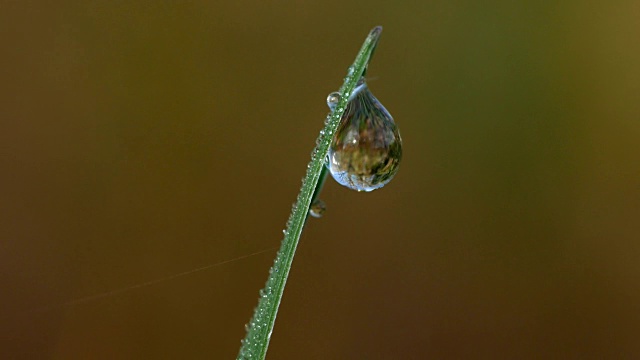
pixel 143 140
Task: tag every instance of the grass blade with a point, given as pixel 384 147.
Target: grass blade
pixel 259 329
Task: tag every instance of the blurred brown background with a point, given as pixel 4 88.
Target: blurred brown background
pixel 139 140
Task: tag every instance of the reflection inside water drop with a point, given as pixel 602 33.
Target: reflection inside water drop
pixel 366 150
pixel 317 208
pixel 333 99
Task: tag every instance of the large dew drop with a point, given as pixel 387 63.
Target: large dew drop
pixel 366 150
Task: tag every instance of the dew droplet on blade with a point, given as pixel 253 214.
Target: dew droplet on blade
pixel 333 99
pixel 317 208
pixel 366 150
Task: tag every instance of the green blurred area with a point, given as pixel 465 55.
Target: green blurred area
pixel 141 140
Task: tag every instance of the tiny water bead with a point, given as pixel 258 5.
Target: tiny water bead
pixel 365 152
pixel 333 99
pixel 317 208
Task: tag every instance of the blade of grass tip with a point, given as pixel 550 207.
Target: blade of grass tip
pixel 259 329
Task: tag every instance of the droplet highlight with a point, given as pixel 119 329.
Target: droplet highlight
pixel 317 208
pixel 366 150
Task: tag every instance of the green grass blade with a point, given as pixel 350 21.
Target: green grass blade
pixel 259 329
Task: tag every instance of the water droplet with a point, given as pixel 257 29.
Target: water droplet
pixel 333 99
pixel 366 150
pixel 317 208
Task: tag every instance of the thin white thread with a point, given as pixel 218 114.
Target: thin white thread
pixel 141 285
